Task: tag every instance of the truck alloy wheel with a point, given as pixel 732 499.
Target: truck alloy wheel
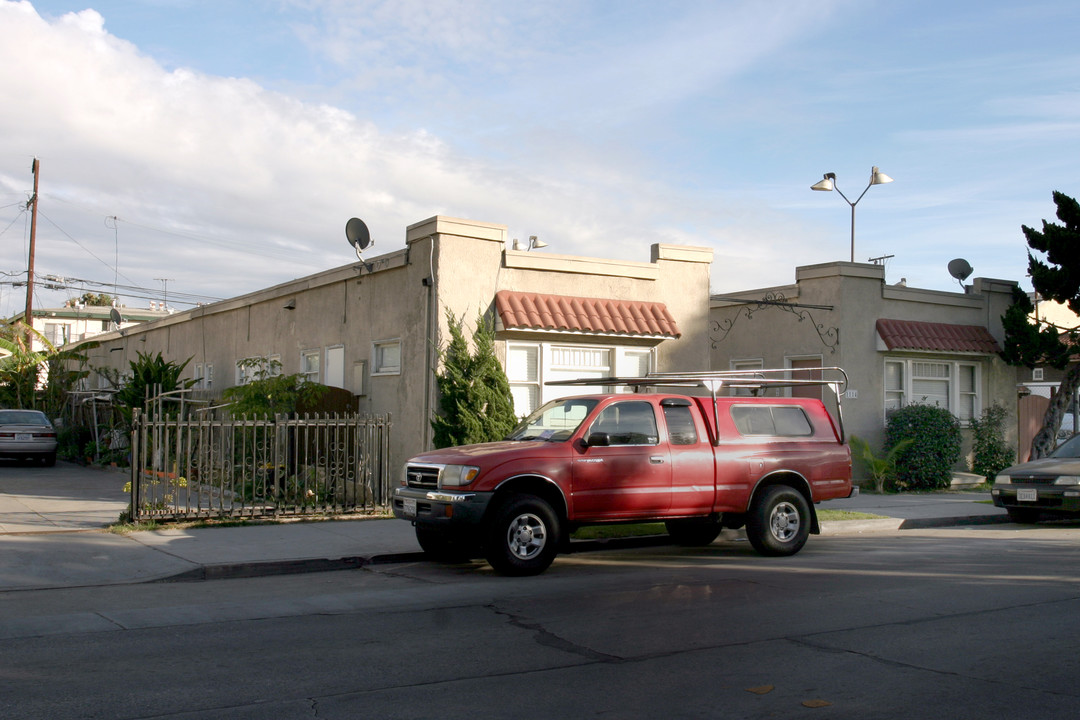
pixel 779 521
pixel 523 537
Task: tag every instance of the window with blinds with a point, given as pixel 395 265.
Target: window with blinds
pixel 954 386
pixel 530 365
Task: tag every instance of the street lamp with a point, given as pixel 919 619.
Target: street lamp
pixel 829 183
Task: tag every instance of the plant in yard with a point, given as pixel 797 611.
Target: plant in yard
pixel 926 463
pixel 882 469
pixel 270 393
pixel 991 452
pixel 474 394
pixel 150 373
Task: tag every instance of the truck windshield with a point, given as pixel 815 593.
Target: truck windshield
pixel 555 422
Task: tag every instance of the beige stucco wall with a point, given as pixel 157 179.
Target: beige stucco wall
pixel 447 264
pixel 849 299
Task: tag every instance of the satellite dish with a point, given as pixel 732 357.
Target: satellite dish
pixel 960 269
pixel 115 316
pixel 356 232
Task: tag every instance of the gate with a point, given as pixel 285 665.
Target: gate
pixel 231 468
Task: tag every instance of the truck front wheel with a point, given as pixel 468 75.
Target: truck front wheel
pixel 523 536
pixel 779 521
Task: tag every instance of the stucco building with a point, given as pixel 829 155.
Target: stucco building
pixel 374 327
pixel 899 345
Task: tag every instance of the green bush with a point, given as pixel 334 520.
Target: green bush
pixel 991 453
pixel 927 463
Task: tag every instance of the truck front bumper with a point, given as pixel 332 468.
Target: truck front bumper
pixel 440 507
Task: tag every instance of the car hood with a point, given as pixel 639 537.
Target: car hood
pixel 1045 466
pixel 467 454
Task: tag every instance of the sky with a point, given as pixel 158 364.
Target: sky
pixel 193 150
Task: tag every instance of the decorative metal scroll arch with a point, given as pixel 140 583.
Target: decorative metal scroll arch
pixel 830 336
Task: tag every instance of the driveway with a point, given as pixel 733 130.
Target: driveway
pixel 64 498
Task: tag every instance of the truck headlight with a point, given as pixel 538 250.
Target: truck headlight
pixel 457 475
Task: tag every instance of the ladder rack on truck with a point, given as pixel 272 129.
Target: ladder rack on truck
pixel 756 381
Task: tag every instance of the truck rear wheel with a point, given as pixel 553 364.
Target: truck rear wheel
pixel 523 536
pixel 779 521
pixel 693 532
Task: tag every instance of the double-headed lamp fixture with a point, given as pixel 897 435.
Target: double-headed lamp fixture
pixel 828 182
pixel 534 242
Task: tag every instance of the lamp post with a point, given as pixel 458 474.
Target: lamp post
pixel 829 183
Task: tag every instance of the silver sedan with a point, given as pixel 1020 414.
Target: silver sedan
pixel 27 434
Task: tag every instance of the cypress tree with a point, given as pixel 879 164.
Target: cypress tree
pixel 475 404
pixel 1058 279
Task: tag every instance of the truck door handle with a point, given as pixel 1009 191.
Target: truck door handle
pixel 657 459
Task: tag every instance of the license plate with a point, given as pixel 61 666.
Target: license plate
pixel 23 437
pixel 1027 495
pixel 408 507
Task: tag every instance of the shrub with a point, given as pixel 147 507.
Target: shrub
pixel 927 463
pixel 882 469
pixel 991 453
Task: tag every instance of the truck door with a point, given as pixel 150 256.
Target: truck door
pixel 693 465
pixel 621 468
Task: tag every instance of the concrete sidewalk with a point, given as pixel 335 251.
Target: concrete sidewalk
pixel 51 536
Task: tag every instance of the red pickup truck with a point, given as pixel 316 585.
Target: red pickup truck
pixel 698 464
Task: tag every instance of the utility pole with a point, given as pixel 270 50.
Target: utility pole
pixel 32 204
pixel 165 287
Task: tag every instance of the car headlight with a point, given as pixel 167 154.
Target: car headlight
pixel 1003 480
pixel 1068 480
pixel 458 475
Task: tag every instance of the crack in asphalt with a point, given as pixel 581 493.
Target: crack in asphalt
pixel 545 637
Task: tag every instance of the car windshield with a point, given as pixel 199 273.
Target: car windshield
pixel 22 417
pixel 555 422
pixel 1068 449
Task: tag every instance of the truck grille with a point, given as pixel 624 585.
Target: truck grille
pixel 422 477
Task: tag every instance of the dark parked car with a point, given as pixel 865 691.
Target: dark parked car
pixel 27 434
pixel 1049 485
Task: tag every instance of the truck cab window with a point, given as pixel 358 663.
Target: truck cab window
pixel 627 423
pixel 680 425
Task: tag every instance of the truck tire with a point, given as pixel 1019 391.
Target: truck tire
pixel 444 546
pixel 693 532
pixel 522 537
pixel 779 521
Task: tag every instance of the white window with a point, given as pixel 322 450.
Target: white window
pixel 208 376
pixel 57 333
pixel 523 372
pixel 744 365
pixel 309 364
pixel 244 373
pixel 894 385
pixel 530 365
pixel 952 385
pixel 335 366
pixel 387 354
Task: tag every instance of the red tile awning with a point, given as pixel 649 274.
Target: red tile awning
pixel 561 313
pixel 936 337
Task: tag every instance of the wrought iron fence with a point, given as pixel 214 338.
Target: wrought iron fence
pixel 246 467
